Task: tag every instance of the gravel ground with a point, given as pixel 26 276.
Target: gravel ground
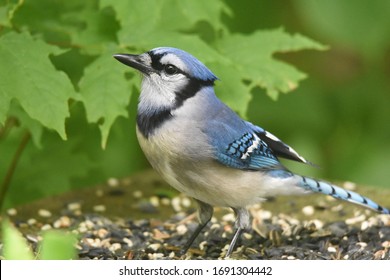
pixel 355 233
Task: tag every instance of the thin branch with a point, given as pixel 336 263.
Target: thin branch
pixel 9 123
pixel 11 169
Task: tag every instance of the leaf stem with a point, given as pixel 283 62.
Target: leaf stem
pixel 9 123
pixel 11 169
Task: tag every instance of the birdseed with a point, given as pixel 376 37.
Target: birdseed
pixel 44 213
pixel 273 235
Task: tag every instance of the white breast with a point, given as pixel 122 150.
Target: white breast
pixel 180 151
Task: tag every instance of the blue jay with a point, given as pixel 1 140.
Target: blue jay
pixel 204 149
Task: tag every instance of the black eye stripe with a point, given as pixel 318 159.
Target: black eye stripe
pixel 157 65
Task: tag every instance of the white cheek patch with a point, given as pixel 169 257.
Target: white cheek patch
pixel 174 60
pixel 154 94
pixel 177 78
pixel 157 92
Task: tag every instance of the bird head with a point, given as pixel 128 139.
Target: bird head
pixel 170 76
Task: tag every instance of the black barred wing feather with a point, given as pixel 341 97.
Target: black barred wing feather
pixel 248 152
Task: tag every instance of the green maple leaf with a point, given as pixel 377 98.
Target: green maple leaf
pixel 253 58
pixel 230 88
pixel 146 18
pixel 105 92
pixel 96 28
pixel 7 12
pixel 29 77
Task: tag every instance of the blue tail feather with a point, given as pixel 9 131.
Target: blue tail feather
pixel 340 193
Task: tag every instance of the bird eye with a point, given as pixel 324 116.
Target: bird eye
pixel 170 69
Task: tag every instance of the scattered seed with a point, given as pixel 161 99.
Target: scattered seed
pixel 128 242
pixel 32 238
pixel 332 249
pixel 137 194
pixel 113 182
pixel 176 204
pixel 46 227
pixel 247 236
pixel 308 210
pixel 74 206
pixel 355 220
pixel 337 208
pixel 273 236
pixel 157 234
pixel 203 245
pixel 12 212
pixel 44 213
pixel 155 256
pixel 102 233
pixel 62 222
pixel 155 246
pixel 362 244
pixel 380 254
pixel 349 186
pixel 386 244
pixel 31 221
pixel 165 201
pixel 365 225
pixel 230 217
pixel 215 226
pixel 105 243
pixel 115 246
pixel 181 229
pixel 319 224
pixel 186 202
pixel 89 224
pixel 99 208
pixel 265 215
pixel 154 201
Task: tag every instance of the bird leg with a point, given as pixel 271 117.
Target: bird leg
pixel 242 222
pixel 205 212
pixel 233 242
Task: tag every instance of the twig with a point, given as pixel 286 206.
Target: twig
pixel 11 169
pixel 9 123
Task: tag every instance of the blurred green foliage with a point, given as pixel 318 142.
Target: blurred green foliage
pixel 60 85
pixel 55 245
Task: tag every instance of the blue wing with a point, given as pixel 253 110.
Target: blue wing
pixel 246 146
pixel 240 144
pixel 248 151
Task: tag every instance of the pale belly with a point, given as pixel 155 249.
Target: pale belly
pixel 201 177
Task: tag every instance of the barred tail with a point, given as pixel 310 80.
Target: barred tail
pixel 340 193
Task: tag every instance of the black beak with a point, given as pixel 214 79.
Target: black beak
pixel 134 61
